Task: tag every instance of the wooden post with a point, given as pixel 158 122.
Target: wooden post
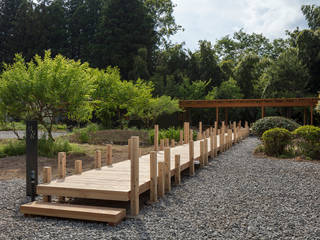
pixel 134 193
pixel 161 179
pixel 216 125
pixel 109 155
pixel 156 137
pixel 226 115
pixel 47 175
pixel 206 161
pixel 78 167
pixel 262 112
pixel 211 145
pixel 161 144
pixel 166 142
pixel 200 129
pixel 97 159
pixel 222 141
pixel 230 138
pixel 61 164
pixel 173 143
pixel 153 177
pixel 215 142
pixel 201 153
pixel 305 116
pixel 181 137
pixel 129 148
pixel 217 115
pixel 177 175
pixel 191 158
pixel 198 136
pixel 191 135
pixel 186 132
pixel 167 162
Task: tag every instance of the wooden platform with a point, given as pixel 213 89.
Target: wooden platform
pixel 90 213
pixel 113 183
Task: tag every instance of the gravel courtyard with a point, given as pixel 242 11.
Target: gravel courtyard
pixel 238 196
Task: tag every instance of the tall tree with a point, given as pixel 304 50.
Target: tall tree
pixel 125 27
pixel 312 14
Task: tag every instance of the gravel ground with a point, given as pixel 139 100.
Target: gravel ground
pixel 10 134
pixel 238 196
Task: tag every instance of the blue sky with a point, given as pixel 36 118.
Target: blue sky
pixel 212 19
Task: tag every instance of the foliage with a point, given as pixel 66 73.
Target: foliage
pixel 312 14
pixel 264 124
pixel 13 148
pixel 286 76
pixel 308 141
pixel 227 90
pixel 46 88
pixel 85 134
pixel 170 133
pixel 275 141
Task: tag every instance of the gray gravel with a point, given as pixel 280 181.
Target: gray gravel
pixel 238 196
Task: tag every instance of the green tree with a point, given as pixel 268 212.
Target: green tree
pixel 227 90
pixel 45 89
pixel 312 14
pixel 287 76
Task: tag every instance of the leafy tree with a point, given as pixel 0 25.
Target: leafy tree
pixel 308 43
pixel 287 76
pixel 227 90
pixel 312 14
pixel 45 89
pixel 125 27
pixel 193 90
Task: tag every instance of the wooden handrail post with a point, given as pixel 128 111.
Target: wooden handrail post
pixel 206 162
pixel 177 175
pixel 62 170
pixel 161 179
pixel 109 155
pixel 156 137
pixel 97 162
pixel 173 143
pixel 167 162
pixel 200 129
pixel 211 145
pixel 47 175
pixel 222 141
pixel 191 158
pixel 129 148
pixel 78 167
pixel 166 142
pixel 186 133
pixel 181 137
pixel 190 135
pixel 134 193
pixel 153 177
pixel 201 153
pixel 215 142
pixel 161 144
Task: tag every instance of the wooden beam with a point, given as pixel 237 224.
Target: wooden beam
pixel 156 137
pixel 217 115
pixel 311 115
pixel 305 116
pixel 177 175
pixel 181 137
pixel 191 158
pixel 161 189
pixel 262 112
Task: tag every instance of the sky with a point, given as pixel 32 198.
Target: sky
pixel 213 19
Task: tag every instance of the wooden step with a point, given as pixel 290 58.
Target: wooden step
pixel 112 216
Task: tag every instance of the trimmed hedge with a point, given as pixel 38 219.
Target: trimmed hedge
pixel 308 141
pixel 276 140
pixel 264 124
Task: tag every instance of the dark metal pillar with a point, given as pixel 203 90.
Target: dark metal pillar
pixel 31 157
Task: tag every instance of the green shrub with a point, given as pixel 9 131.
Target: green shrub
pixel 264 124
pixel 14 148
pixel 308 141
pixel 84 135
pixel 50 148
pixel 276 140
pixel 171 133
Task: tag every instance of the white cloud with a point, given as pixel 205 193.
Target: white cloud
pixel 213 19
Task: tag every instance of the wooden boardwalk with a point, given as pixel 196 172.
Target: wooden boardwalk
pixel 116 181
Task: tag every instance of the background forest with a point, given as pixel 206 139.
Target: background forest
pixel 131 39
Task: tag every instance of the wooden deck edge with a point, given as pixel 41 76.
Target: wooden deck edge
pixel 80 212
pixel 81 193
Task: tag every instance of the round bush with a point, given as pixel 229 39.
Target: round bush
pixel 308 141
pixel 276 140
pixel 264 124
